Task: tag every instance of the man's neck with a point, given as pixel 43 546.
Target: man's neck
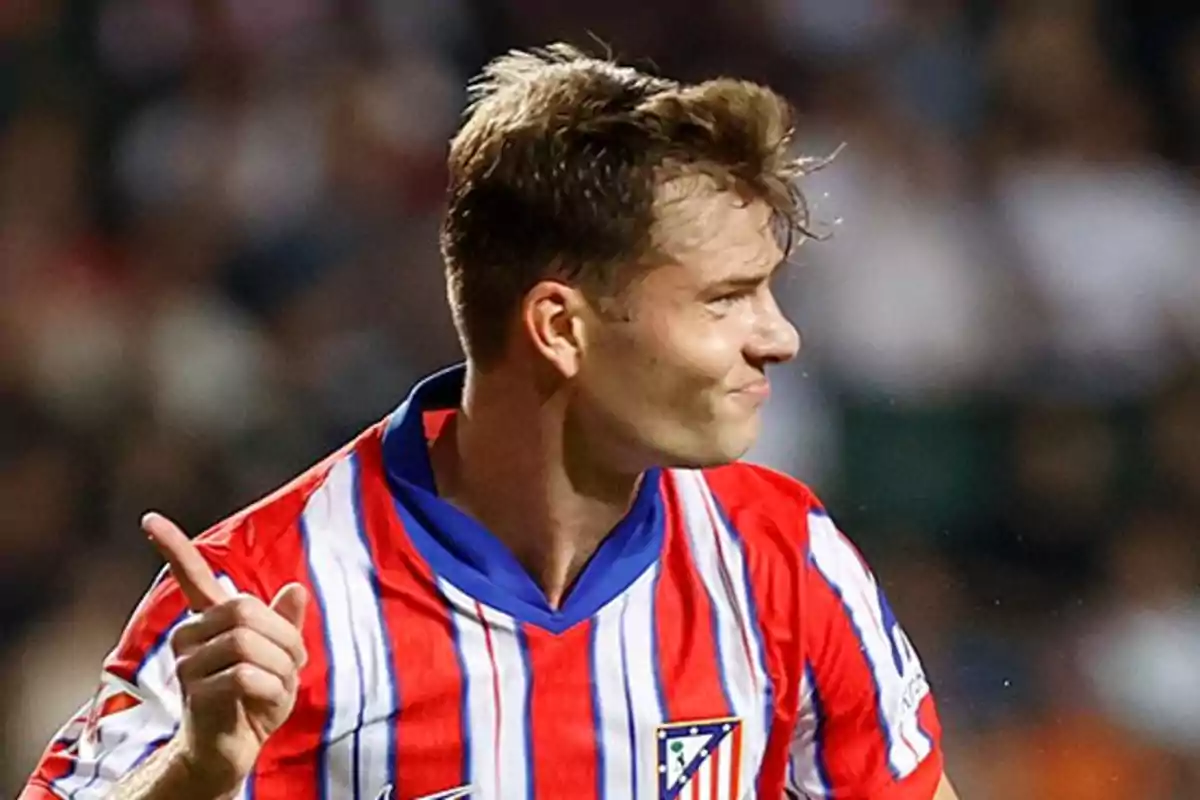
pixel 506 460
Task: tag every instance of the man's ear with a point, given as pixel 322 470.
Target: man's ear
pixel 553 318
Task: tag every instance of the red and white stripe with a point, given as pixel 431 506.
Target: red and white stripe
pixel 719 561
pixel 497 686
pixel 900 691
pixel 626 693
pixel 362 699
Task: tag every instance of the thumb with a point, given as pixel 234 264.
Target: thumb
pixel 290 603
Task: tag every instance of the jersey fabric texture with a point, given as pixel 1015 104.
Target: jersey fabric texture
pixel 726 641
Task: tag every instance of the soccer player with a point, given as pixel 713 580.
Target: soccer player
pixel 545 575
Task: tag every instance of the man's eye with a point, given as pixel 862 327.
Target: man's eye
pixel 728 299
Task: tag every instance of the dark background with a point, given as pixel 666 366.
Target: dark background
pixel 218 261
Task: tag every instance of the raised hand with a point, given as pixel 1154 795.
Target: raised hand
pixel 237 659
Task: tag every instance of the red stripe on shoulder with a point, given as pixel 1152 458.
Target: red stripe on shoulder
pixel 260 546
pixel 854 743
pixel 762 503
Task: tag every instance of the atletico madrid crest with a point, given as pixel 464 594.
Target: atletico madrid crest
pixel 700 760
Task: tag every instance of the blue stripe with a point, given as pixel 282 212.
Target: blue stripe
pixel 377 591
pixel 468 742
pixel 527 717
pixel 331 668
pixel 819 730
pixel 872 667
pixel 597 711
pixel 152 748
pixel 629 716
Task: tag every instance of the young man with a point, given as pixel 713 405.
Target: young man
pixel 545 575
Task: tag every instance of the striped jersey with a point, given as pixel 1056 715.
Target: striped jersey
pixel 725 641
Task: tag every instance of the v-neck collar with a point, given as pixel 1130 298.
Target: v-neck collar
pixel 470 557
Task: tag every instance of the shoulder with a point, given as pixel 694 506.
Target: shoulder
pixel 767 510
pixel 761 495
pixel 742 483
pixel 261 546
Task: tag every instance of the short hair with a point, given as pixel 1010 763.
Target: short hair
pixel 555 170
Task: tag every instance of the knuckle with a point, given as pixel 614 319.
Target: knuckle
pixel 239 611
pixel 294 646
pixel 247 607
pixel 240 643
pixel 184 668
pixel 244 677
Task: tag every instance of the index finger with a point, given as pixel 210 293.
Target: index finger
pixel 188 567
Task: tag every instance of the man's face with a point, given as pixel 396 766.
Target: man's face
pixel 675 374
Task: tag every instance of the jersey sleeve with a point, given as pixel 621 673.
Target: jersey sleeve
pixel 867 727
pixel 135 710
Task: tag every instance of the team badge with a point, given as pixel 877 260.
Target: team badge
pixel 700 760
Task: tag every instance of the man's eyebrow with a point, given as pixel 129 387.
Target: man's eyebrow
pixel 751 280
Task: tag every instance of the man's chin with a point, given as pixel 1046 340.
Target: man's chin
pixel 712 454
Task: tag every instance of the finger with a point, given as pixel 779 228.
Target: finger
pixel 188 566
pixel 241 682
pixel 290 603
pixel 237 646
pixel 242 611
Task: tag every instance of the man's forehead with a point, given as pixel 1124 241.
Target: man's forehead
pixel 695 218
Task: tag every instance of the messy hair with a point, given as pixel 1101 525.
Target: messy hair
pixel 556 169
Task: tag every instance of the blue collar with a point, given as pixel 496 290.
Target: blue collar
pixel 469 556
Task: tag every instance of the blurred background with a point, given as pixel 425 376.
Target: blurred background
pixel 218 261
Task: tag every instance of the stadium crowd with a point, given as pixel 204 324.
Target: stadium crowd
pixel 218 261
